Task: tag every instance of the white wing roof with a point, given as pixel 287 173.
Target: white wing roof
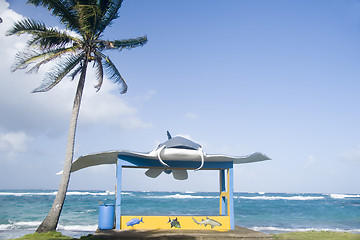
pixel 112 156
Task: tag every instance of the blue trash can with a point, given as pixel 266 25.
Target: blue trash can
pixel 106 216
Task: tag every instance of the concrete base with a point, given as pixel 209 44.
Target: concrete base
pixel 238 233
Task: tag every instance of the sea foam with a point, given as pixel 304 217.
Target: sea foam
pixel 181 196
pixel 69 193
pixel 299 198
pixel 282 230
pixel 78 228
pixel 32 226
pixel 342 196
pixel 20 194
pixel 20 225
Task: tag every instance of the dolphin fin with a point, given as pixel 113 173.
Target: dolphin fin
pixel 153 172
pixel 168 135
pixel 255 157
pixel 180 174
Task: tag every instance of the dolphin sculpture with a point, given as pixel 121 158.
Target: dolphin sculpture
pixel 177 147
pixel 174 149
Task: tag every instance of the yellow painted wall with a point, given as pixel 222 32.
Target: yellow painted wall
pixel 162 222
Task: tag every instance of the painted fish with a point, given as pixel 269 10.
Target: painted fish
pixel 134 221
pixel 174 223
pixel 208 221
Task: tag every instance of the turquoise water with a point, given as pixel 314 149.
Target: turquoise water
pixel 21 211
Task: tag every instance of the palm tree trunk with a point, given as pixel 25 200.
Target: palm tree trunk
pixel 52 219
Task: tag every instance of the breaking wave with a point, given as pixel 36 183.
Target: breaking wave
pixel 181 196
pixel 78 228
pixel 20 194
pixel 32 226
pixel 342 196
pixel 299 198
pixel 19 225
pixel 282 230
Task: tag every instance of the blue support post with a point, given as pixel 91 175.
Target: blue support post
pixel 118 194
pixel 231 197
pixel 223 206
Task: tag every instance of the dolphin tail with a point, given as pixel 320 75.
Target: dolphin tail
pixel 141 220
pixel 169 220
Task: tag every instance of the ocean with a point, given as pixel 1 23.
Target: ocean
pixel 21 211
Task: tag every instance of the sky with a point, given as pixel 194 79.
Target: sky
pixel 237 76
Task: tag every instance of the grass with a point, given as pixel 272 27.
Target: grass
pixel 313 235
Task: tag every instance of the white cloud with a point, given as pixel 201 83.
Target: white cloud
pixel 7 15
pixel 21 110
pixel 107 106
pixel 351 156
pixel 190 115
pixel 14 142
pixel 310 161
pixel 149 95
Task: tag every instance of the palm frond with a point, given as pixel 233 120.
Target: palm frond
pixel 62 9
pixel 111 13
pixel 59 72
pixel 27 26
pixel 43 37
pixel 75 72
pixel 51 55
pixel 89 16
pixel 130 43
pixel 99 72
pixel 104 6
pixel 123 44
pixel 114 74
pixel 52 39
pixel 25 58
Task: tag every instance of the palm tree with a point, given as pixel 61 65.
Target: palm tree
pixel 72 50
